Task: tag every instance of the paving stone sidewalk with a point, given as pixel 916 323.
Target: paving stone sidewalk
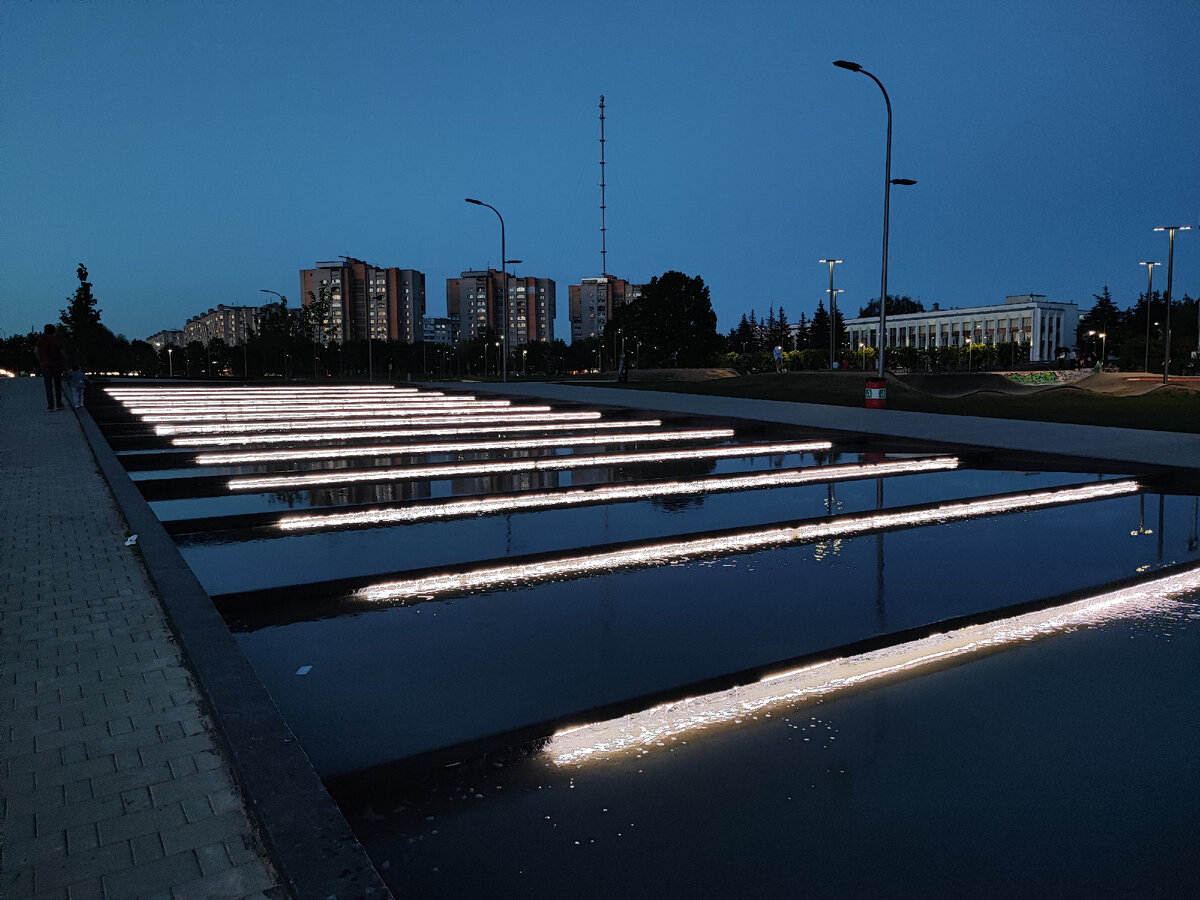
pixel 112 783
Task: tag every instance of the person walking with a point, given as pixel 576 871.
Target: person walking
pixel 51 355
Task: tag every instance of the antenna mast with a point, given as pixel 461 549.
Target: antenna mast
pixel 603 228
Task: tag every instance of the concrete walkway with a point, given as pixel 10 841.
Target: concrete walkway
pixel 113 781
pixel 1156 448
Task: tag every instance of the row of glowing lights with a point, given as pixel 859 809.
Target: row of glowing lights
pixel 555 463
pixel 272 456
pixel 611 494
pixel 669 721
pixel 327 412
pixel 204 393
pixel 448 417
pixel 591 423
pixel 492 577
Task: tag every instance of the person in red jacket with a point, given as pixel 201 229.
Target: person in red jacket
pixel 51 355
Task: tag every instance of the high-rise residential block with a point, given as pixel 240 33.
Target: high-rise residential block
pixel 366 300
pixel 593 301
pixel 476 299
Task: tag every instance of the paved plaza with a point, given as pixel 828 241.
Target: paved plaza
pixel 114 783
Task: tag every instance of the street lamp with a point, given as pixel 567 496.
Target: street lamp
pixel 887 193
pixel 282 302
pixel 1103 345
pixel 1149 284
pixel 1170 229
pixel 832 307
pixel 503 270
pixel 170 362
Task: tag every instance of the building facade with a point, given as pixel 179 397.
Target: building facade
pixel 169 338
pixel 366 300
pixel 1029 319
pixel 232 324
pixel 477 300
pixel 592 302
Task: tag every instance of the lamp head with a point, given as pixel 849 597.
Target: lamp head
pixel 476 202
pixel 844 64
pixel 829 260
pixel 1149 263
pixel 903 181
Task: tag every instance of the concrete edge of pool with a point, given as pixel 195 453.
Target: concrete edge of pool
pixel 307 836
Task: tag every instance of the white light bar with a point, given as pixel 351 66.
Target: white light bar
pixel 261 405
pixel 591 424
pixel 203 393
pixel 506 503
pixel 329 412
pixel 526 414
pixel 229 459
pixel 307 479
pixel 655 726
pixel 742 542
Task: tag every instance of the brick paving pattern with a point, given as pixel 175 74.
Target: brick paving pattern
pixel 111 780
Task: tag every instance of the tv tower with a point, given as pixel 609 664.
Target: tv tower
pixel 603 228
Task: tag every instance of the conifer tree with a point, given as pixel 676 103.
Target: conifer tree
pixel 81 318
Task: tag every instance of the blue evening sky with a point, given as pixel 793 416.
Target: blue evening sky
pixel 191 153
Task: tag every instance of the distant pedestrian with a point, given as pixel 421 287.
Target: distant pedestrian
pixel 76 382
pixel 777 353
pixel 52 360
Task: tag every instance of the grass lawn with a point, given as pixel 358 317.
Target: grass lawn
pixel 1169 409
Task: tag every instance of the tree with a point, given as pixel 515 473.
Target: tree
pixel 896 306
pixel 81 318
pixel 673 320
pixel 819 330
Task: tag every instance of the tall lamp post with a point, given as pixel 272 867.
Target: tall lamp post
pixel 282 300
pixel 887 193
pixel 1149 284
pixel 1103 335
pixel 504 275
pixel 832 307
pixel 1170 229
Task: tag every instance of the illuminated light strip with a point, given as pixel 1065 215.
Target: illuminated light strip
pixel 574 497
pixel 525 414
pixel 284 405
pixel 741 542
pixel 668 721
pixel 261 394
pixel 589 425
pixel 329 412
pixel 270 482
pixel 228 459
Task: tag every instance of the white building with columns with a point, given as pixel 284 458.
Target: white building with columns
pixel 1028 319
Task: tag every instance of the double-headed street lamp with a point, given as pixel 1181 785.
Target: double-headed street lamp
pixel 504 273
pixel 1149 284
pixel 282 301
pixel 1103 335
pixel 1170 229
pixel 888 181
pixel 832 307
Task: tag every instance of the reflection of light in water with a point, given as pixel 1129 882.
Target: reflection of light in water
pixel 514 465
pixel 669 720
pixel 330 411
pixel 692 434
pixel 589 424
pixel 658 554
pixel 614 493
pixel 525 414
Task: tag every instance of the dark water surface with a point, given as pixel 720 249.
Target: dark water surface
pixel 1064 767
pixel 408 679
